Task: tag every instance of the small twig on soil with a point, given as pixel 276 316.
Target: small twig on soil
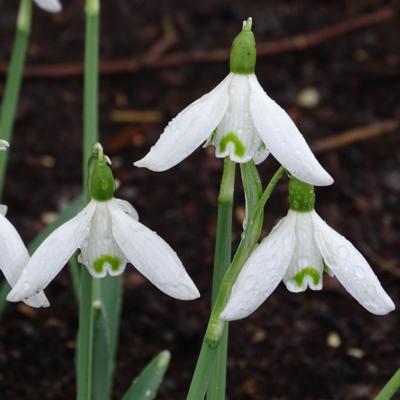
pixel 155 59
pixel 354 135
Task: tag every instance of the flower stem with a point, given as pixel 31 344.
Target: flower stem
pixel 215 329
pixel 390 388
pixel 222 259
pixel 90 137
pixel 249 240
pixel 14 79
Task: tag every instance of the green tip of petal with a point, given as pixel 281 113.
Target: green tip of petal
pixel 313 273
pixel 301 195
pixel 243 50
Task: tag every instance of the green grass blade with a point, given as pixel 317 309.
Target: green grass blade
pixel 222 259
pixel 146 384
pixel 14 80
pixel 391 387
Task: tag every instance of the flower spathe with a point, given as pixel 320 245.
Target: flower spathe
pixel 241 121
pixel 109 235
pixel 49 5
pixel 14 257
pixel 298 250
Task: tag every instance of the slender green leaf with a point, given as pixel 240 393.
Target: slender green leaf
pixel 13 81
pixel 146 384
pixel 222 259
pixel 391 387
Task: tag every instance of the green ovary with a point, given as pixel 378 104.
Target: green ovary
pixel 314 274
pixel 113 262
pixel 240 149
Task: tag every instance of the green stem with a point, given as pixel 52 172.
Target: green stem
pixel 249 240
pixel 390 388
pixel 14 79
pixel 205 363
pixel 88 293
pixel 222 259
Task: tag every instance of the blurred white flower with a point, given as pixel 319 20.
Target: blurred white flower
pixel 297 251
pixel 109 235
pixel 49 5
pixel 242 122
pixel 14 257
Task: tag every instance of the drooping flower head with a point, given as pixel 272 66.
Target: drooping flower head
pixel 300 248
pixel 240 120
pixel 49 5
pixel 109 235
pixel 13 253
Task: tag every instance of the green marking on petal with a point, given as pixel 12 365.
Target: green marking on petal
pixel 113 262
pixel 240 149
pixel 308 271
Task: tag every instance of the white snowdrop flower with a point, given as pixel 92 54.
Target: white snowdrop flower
pixel 109 235
pixel 298 250
pixel 4 145
pixel 240 120
pixel 13 253
pixel 53 6
pixel 14 257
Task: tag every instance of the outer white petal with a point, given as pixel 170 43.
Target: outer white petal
pixel 52 255
pixel 351 269
pixel 13 258
pixel 128 208
pixel 188 130
pixel 3 209
pixel 151 255
pixel 283 139
pixel 49 5
pixel 263 271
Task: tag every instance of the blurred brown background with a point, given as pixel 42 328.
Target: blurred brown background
pixel 344 77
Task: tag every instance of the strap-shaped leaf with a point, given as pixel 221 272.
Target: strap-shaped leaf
pixel 146 384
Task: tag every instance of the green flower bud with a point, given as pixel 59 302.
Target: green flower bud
pixel 243 51
pixel 101 181
pixel 301 195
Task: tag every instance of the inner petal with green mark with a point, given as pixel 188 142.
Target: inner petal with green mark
pixel 107 262
pixel 239 147
pixel 308 272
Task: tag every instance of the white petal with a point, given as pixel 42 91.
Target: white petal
pixel 151 256
pixel 262 272
pixel 13 259
pixel 128 208
pixel 188 130
pixel 99 251
pixel 3 209
pixel 306 265
pixel 351 268
pixel 49 5
pixel 52 255
pixel 236 135
pixel 283 139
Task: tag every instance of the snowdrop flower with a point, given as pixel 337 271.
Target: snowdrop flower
pixel 298 250
pixel 240 120
pixel 13 253
pixel 109 235
pixel 49 5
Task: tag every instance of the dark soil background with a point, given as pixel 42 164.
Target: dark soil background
pixel 314 345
